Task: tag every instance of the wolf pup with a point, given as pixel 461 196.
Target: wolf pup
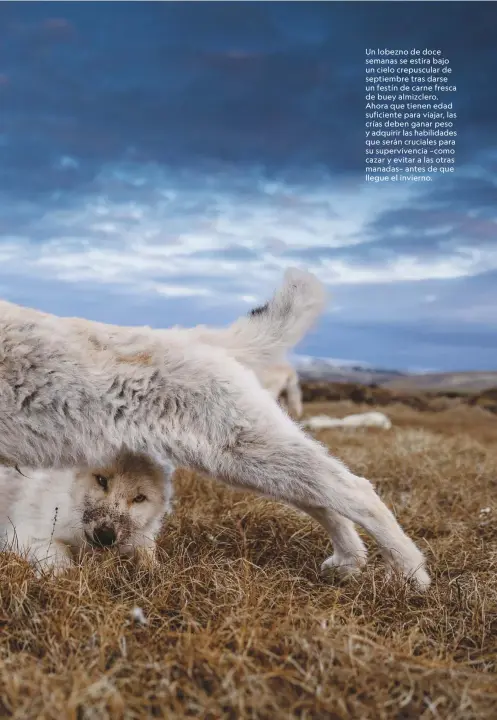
pixel 49 516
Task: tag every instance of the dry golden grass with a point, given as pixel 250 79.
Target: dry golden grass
pixel 239 623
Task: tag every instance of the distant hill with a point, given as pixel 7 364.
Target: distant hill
pixel 349 371
pixel 331 370
pixel 456 381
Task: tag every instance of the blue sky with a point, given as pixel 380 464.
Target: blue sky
pixel 162 163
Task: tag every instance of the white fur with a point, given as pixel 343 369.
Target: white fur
pixel 367 419
pixel 74 392
pixel 49 516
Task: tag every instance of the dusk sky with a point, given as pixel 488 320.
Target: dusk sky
pixel 163 163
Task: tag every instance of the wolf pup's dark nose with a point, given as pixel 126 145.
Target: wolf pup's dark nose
pixel 105 536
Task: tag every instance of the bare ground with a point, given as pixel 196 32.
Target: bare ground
pixel 239 623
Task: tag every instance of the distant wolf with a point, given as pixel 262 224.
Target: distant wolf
pixel 282 381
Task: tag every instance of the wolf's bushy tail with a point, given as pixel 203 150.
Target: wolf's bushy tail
pixel 265 335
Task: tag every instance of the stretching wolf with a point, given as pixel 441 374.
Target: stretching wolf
pixel 73 392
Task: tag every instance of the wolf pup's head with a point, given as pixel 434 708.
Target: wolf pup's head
pixel 124 503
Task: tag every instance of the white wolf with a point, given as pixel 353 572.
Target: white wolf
pixel 50 516
pixel 72 393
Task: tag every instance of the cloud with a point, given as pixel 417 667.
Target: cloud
pixel 141 227
pixel 146 229
pixel 67 162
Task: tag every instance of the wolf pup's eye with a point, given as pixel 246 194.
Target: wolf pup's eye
pixel 139 498
pixel 102 481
